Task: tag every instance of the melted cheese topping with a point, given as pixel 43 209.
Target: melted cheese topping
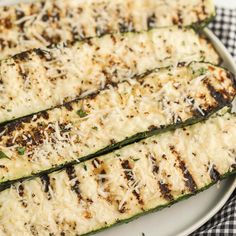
pixel 41 79
pixel 117 186
pixel 162 98
pixel 41 23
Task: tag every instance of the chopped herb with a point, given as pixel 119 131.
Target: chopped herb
pixel 183 43
pixel 8 110
pixel 117 154
pixel 85 167
pixel 201 71
pixel 135 159
pixel 21 150
pixel 81 113
pixel 3 155
pixel 95 128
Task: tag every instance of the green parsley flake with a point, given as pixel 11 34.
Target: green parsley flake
pixel 81 113
pixel 201 71
pixel 21 150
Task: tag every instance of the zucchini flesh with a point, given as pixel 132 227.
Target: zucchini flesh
pixel 41 79
pixel 122 185
pixel 122 113
pixel 34 25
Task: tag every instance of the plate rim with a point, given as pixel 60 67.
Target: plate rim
pixel 232 179
pixel 210 35
pixel 212 212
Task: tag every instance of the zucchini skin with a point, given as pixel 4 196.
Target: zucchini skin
pixel 198 27
pixel 159 208
pixel 43 79
pixel 135 138
pixel 103 17
pixel 79 186
pixel 106 147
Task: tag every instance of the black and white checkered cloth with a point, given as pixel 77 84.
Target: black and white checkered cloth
pixel 224 222
pixel 224 27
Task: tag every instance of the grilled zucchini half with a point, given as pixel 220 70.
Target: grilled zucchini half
pixel 30 25
pixel 37 80
pixel 123 113
pixel 118 187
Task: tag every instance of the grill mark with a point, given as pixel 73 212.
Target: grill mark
pixel 23 56
pixel 95 163
pixel 70 170
pixel 103 172
pixel 189 183
pixel 155 167
pixel 68 106
pixel 46 184
pixel 214 174
pixel 151 21
pixel 130 177
pixel 104 184
pixel 165 191
pixel 21 190
pixel 218 96
pixel 232 78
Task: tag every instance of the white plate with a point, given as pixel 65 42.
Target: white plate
pixel 188 215
pixel 184 217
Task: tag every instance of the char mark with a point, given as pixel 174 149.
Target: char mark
pixel 218 96
pixel 23 56
pixel 189 182
pixel 129 175
pixel 46 184
pixel 214 174
pixel 103 172
pixel 165 191
pixel 155 168
pixel 151 21
pixel 70 170
pixel 96 163
pixel 21 190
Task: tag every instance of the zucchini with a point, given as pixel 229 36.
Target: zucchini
pixel 34 25
pixel 122 185
pixel 123 113
pixel 37 80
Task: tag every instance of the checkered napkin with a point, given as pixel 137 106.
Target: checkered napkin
pixel 224 222
pixel 224 27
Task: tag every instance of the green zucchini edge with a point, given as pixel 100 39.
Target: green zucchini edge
pixel 200 25
pixel 232 77
pixel 133 139
pixel 158 208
